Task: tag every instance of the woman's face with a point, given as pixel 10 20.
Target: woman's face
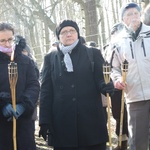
pixel 68 35
pixel 6 38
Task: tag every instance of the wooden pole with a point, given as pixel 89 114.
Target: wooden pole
pixel 124 73
pixel 13 76
pixel 106 72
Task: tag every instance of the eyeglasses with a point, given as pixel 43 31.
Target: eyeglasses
pixel 132 13
pixel 10 41
pixel 66 32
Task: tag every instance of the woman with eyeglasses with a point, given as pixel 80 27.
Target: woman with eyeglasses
pixel 71 111
pixel 27 92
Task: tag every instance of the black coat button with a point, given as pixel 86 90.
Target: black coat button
pixel 74 99
pixel 61 87
pixel 72 85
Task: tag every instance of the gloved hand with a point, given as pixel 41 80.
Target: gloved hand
pixel 8 111
pixel 108 88
pixel 44 130
pixel 19 110
pixel 50 140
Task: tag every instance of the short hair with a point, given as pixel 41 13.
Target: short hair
pixel 55 43
pixel 92 44
pixel 6 26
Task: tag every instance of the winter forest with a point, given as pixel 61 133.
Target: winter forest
pixel 36 20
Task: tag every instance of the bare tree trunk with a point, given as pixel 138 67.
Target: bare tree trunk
pixel 91 21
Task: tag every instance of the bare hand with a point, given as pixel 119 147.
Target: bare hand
pixel 120 85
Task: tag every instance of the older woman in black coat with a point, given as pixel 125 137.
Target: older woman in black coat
pixel 27 92
pixel 70 108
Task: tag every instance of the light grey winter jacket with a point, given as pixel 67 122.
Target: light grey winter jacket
pixel 137 53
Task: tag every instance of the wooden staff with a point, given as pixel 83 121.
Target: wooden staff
pixel 106 72
pixel 124 73
pixel 13 76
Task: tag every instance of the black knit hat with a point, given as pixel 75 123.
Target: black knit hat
pixel 65 23
pixel 127 6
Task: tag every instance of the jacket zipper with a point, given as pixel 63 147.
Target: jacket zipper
pixel 142 45
pixel 131 50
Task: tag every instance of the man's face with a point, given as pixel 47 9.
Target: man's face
pixel 6 38
pixel 68 35
pixel 131 18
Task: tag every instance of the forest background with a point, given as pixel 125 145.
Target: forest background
pixel 36 20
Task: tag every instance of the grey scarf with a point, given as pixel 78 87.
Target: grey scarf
pixel 66 50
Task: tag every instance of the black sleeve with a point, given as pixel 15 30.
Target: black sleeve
pixel 46 94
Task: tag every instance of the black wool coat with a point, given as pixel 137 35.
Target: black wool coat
pixel 27 93
pixel 70 102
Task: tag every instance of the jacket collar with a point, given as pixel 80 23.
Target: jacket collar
pixel 145 30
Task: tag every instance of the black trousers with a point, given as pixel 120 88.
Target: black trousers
pixel 94 147
pixel 116 109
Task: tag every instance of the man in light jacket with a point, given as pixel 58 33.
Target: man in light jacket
pixel 134 47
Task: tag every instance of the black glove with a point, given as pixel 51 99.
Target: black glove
pixel 50 139
pixel 44 130
pixel 108 88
